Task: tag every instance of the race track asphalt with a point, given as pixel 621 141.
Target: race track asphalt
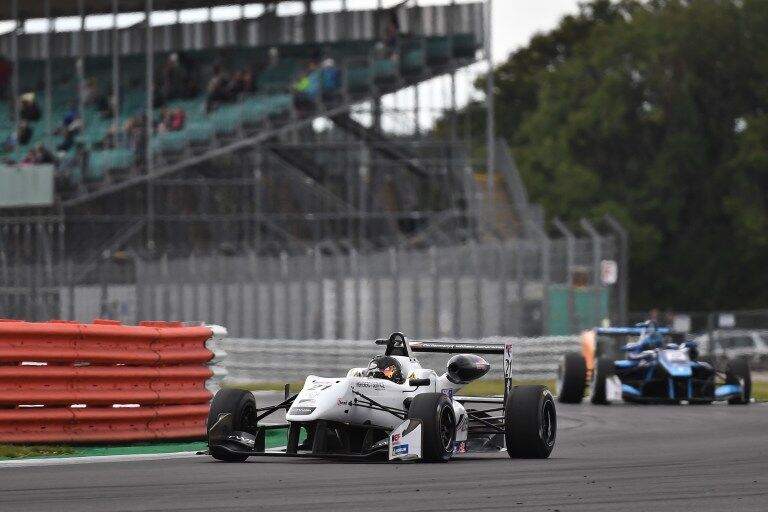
pixel 620 457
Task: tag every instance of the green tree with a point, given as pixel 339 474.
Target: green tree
pixel 656 112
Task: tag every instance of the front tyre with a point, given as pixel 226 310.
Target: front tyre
pixel 530 422
pixel 598 394
pixel 242 406
pixel 438 425
pixel 571 379
pixel 738 373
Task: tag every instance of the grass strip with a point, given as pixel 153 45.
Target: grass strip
pixel 10 451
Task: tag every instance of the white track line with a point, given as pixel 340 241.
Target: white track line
pixel 63 461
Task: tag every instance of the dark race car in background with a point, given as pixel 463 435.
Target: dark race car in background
pixel 658 366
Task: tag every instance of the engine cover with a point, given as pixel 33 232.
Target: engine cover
pixel 464 368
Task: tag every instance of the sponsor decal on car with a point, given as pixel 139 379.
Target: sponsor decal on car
pixel 463 423
pixel 307 402
pixel 301 411
pixel 379 386
pixel 460 447
pixel 343 403
pixel 401 450
pixel 395 438
pixel 448 393
pixel 243 438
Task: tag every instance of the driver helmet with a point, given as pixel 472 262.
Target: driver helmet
pixel 385 367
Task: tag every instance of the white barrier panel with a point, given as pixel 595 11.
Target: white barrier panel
pixel 276 360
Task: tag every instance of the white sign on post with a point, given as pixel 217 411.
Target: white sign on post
pixel 609 272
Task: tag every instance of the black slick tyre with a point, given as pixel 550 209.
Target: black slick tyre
pixel 598 395
pixel 571 378
pixel 530 422
pixel 438 424
pixel 242 406
pixel 738 373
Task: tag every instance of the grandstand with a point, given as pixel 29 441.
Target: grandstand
pixel 106 166
pixel 276 134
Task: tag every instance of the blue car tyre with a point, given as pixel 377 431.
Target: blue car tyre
pixel 603 370
pixel 571 379
pixel 738 373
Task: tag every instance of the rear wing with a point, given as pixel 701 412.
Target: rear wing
pixel 631 331
pixel 398 344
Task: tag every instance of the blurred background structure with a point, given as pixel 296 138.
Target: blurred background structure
pixel 279 173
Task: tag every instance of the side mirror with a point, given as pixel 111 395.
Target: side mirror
pixel 418 382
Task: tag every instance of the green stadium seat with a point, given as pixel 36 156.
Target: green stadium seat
pixel 412 61
pixel 439 50
pixel 358 79
pixel 384 70
pixel 169 142
pixel 464 45
pixel 199 132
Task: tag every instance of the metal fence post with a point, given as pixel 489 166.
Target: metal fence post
pixel 623 283
pixel 355 264
pixel 570 242
pixel 435 293
pixel 544 253
pixel 415 280
pixel 320 294
pixel 501 250
pixel 520 285
pixel 303 309
pixel 166 284
pixel 395 272
pixel 287 297
pixel 457 266
pixel 71 289
pixel 475 255
pixel 596 257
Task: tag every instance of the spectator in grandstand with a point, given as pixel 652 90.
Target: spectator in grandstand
pixel 330 78
pixel 178 120
pixel 235 86
pixel 29 110
pixel 392 33
pixel 171 120
pixel 217 88
pixel 307 88
pixel 89 91
pixel 70 127
pixel 249 84
pixel 38 155
pixel 25 133
pixel 5 74
pixel 174 78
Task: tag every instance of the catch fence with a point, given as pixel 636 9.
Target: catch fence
pixel 520 287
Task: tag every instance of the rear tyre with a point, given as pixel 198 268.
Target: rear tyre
pixel 242 406
pixel 438 425
pixel 598 395
pixel 738 373
pixel 530 422
pixel 571 378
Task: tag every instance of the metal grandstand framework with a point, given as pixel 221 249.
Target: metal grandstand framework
pixel 428 20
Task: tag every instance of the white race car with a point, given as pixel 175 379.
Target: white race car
pixel 394 409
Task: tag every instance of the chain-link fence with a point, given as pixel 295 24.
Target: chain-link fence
pixel 515 287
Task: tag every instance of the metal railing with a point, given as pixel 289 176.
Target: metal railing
pixel 280 360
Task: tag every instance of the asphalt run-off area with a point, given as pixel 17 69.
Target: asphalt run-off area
pixel 619 457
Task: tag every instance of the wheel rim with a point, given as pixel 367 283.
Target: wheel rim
pixel 248 418
pixel 548 423
pixel 446 429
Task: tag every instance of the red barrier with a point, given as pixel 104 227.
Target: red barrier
pixel 157 367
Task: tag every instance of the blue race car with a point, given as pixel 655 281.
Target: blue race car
pixel 659 366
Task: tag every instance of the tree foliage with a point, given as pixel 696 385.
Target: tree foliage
pixel 656 112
